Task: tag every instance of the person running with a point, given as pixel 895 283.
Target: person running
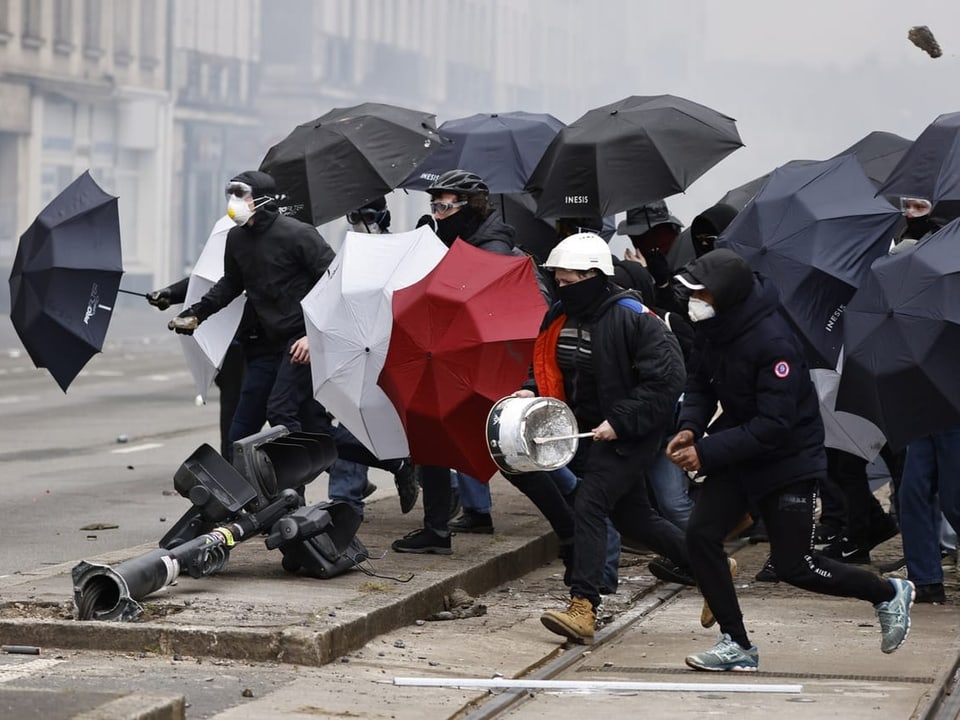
pixel 764 451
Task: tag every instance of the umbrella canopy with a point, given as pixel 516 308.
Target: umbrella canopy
pixel 462 339
pixel 878 153
pixel 813 229
pixel 844 431
pixel 349 319
pixel 205 349
pixel 502 148
pixel 930 168
pixel 348 157
pixel 628 153
pixel 65 279
pixel 902 339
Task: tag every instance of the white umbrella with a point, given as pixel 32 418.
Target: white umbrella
pixel 204 350
pixel 349 318
pixel 844 431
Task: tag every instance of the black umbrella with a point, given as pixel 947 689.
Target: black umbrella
pixel 739 196
pixel 813 229
pixel 502 148
pixel 902 339
pixel 65 279
pixel 628 153
pixel 348 157
pixel 878 153
pixel 930 168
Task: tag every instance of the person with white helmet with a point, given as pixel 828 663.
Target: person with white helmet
pixel 620 369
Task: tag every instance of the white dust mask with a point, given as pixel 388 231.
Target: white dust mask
pixel 239 210
pixel 699 310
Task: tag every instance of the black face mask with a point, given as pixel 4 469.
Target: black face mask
pixel 459 225
pixel 580 298
pixel 919 226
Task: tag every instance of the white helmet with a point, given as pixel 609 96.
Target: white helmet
pixel 582 251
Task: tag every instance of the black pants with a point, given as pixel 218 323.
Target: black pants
pixel 789 516
pixel 229 381
pixel 614 486
pixel 863 510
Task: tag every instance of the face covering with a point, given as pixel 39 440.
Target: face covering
pixel 917 227
pixel 699 310
pixel 238 210
pixel 459 225
pixel 578 298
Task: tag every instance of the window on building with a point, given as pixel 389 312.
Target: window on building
pixel 32 14
pixel 62 27
pixel 5 33
pixel 122 27
pixel 149 54
pixel 92 34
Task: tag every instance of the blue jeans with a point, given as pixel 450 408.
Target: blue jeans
pixel 474 495
pixel 932 469
pixel 669 485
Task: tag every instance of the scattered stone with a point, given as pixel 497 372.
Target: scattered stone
pixel 247 692
pixel 399 644
pixel 122 439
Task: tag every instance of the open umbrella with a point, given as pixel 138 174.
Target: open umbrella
pixel 844 431
pixel 65 279
pixel 348 157
pixel 205 349
pixel 628 153
pixel 878 153
pixel 813 229
pixel 930 168
pixel 349 318
pixel 902 339
pixel 502 148
pixel 462 339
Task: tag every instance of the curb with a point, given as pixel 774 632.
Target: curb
pixel 291 644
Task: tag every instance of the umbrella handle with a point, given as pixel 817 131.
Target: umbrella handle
pixel 131 292
pixel 542 440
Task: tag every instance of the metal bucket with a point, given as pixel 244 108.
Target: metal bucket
pixel 514 422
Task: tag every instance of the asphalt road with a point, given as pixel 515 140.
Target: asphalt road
pixel 63 463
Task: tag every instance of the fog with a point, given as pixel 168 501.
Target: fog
pixel 803 80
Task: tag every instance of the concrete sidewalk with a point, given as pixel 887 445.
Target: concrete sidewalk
pixel 257 611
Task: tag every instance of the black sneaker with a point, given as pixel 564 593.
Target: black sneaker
pixel 825 534
pixel 368 490
pixel 423 541
pixel 932 593
pixel 667 570
pixel 767 573
pixel 847 551
pixel 408 485
pixel 892 566
pixel 472 522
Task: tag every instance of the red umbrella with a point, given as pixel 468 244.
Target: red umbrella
pixel 462 339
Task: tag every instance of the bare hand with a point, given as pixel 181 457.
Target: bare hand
pixel 300 352
pixel 604 431
pixel 634 256
pixel 524 393
pixel 682 439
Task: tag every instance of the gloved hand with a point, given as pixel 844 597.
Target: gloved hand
pixel 658 266
pixel 184 323
pixel 160 299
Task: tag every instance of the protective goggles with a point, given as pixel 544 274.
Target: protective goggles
pixel 439 206
pixel 915 207
pixel 367 216
pixel 237 189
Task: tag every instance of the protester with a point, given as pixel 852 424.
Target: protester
pixel 619 368
pixel 460 209
pixel 655 235
pixel 276 260
pixel 765 451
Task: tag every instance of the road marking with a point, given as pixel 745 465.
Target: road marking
pixel 15 672
pixel 136 448
pixel 13 399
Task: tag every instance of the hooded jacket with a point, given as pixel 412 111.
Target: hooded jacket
pixel 748 359
pixel 637 368
pixel 712 221
pixel 276 260
pixel 493 235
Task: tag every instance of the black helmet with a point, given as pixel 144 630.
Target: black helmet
pixel 462 182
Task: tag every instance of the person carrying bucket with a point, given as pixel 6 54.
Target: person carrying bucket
pixel 620 370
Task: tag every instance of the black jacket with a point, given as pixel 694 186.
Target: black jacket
pixel 748 359
pixel 638 370
pixel 276 260
pixel 493 235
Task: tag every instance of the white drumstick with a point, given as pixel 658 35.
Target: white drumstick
pixel 541 441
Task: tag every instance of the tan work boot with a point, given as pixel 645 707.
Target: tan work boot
pixel 706 615
pixel 577 623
